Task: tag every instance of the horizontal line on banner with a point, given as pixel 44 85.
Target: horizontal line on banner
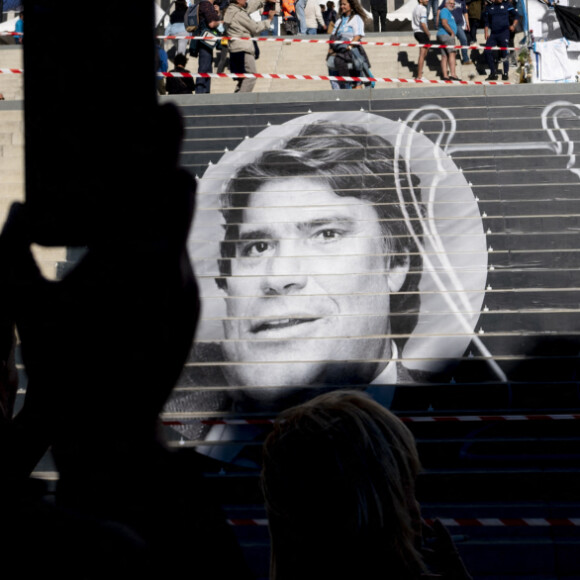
pixel 416 335
pixel 413 419
pixel 459 522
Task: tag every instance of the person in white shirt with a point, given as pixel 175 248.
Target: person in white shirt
pixel 351 27
pixel 421 33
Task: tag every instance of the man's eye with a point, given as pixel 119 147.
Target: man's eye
pixel 328 235
pixel 255 249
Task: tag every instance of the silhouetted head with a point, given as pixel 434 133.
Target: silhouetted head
pixel 339 485
pixel 180 59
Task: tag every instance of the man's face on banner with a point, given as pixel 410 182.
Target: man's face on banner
pixel 310 282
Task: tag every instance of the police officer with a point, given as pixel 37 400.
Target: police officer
pixel 499 19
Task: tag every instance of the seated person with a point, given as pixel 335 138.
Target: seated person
pixel 180 85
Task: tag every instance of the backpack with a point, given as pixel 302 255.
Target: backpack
pixel 191 19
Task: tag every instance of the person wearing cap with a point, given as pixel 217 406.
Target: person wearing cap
pixel 239 23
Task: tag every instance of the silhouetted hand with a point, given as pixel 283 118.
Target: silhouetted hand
pixel 8 373
pixel 104 347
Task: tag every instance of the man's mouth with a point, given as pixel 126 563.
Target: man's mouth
pixel 280 324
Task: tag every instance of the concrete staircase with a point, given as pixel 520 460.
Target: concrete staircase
pixel 288 57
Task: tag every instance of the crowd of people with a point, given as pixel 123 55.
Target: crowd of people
pixel 455 22
pixel 235 18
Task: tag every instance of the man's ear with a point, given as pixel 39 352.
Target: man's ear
pixel 398 270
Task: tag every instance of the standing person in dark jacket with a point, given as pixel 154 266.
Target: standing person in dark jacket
pixel 208 20
pixel 329 15
pixel 474 12
pixel 499 19
pixel 379 12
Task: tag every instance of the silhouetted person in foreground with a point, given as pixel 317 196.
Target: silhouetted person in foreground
pixel 102 350
pixel 339 484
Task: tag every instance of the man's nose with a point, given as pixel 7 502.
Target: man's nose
pixel 285 272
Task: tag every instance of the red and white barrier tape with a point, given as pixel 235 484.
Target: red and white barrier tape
pixel 508 522
pixel 315 41
pixel 324 78
pixel 248 522
pixel 415 419
pixel 489 418
pixel 286 39
pixel 303 78
pixel 460 522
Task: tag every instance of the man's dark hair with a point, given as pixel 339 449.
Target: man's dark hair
pixel 180 59
pixel 353 163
